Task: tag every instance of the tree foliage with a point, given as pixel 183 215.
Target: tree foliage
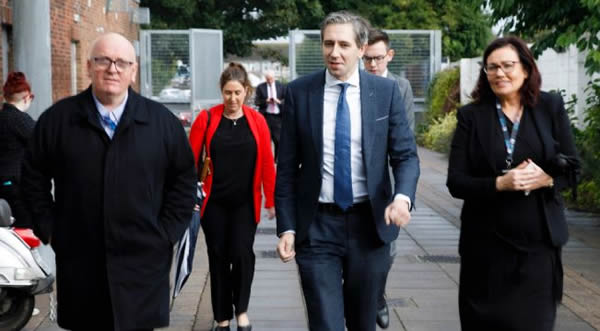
pixel 465 29
pixel 242 21
pixel 554 24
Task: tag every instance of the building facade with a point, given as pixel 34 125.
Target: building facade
pixel 74 24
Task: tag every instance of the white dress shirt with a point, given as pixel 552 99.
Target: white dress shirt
pixel 272 108
pixel 114 115
pixel 330 101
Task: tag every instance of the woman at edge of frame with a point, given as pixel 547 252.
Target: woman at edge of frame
pixel 505 163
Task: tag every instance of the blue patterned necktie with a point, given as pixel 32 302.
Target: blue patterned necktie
pixel 342 173
pixel 108 122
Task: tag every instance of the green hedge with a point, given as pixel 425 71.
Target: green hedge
pixel 443 98
pixel 587 141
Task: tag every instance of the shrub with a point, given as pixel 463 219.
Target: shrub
pixel 439 134
pixel 443 97
pixel 587 141
pixel 443 94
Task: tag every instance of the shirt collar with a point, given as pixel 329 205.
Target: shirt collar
pixel 386 73
pixel 116 113
pixel 331 81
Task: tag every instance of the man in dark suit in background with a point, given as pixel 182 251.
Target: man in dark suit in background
pixel 269 99
pixel 336 210
pixel 376 58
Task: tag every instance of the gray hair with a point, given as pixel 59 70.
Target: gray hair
pixel 359 24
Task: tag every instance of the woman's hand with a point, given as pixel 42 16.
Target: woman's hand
pixel 271 212
pixel 527 176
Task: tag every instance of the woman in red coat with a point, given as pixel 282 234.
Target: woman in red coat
pixel 238 142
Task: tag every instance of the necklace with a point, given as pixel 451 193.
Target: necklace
pixel 234 120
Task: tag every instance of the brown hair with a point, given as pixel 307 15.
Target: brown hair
pixel 236 71
pixel 530 90
pixel 15 83
pixel 376 36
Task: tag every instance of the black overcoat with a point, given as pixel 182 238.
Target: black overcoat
pixel 119 206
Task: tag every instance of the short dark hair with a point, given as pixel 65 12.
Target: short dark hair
pixel 376 35
pixel 530 90
pixel 359 24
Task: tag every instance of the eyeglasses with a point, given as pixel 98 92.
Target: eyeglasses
pixel 377 59
pixel 104 63
pixel 507 67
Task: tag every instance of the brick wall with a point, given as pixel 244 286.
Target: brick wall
pixel 91 21
pixel 5 21
pixel 79 21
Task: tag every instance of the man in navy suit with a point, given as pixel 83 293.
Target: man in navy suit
pixel 342 130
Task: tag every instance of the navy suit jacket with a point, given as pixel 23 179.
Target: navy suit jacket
pixel 386 141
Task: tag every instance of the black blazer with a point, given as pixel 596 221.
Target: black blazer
pixel 387 141
pixel 472 172
pixel 262 94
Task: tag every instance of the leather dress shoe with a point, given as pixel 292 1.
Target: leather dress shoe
pixel 383 317
pixel 245 328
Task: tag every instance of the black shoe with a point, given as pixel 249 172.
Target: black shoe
pixel 383 317
pixel 245 328
pixel 221 328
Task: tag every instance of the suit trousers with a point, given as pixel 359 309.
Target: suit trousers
pixel 381 302
pixel 229 231
pixel 342 265
pixel 274 124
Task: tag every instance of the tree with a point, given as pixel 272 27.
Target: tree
pixel 242 21
pixel 465 29
pixel 554 24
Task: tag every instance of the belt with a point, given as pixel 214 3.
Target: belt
pixel 333 208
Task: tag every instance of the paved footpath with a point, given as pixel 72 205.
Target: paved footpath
pixel 423 285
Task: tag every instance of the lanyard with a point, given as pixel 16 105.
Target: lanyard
pixel 508 142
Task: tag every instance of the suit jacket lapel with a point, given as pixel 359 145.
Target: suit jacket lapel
pixel 543 125
pixel 367 111
pixel 315 112
pixel 485 116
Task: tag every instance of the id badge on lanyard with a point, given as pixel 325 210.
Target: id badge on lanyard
pixel 509 141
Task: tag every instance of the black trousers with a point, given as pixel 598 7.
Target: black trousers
pixel 381 302
pixel 274 124
pixel 12 194
pixel 342 265
pixel 229 232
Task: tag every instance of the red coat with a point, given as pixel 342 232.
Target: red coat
pixel 264 169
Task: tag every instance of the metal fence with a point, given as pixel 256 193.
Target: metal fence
pixel 418 56
pixel 181 68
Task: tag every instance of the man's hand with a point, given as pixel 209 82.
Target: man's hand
pixel 285 247
pixel 397 213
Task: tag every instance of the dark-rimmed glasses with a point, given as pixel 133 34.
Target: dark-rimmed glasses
pixel 103 63
pixel 377 59
pixel 506 66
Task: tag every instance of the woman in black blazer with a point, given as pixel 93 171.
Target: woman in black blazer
pixel 505 165
pixel 16 126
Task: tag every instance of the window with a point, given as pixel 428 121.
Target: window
pixel 73 67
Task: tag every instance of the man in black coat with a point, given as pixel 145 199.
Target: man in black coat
pixel 124 186
pixel 269 100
